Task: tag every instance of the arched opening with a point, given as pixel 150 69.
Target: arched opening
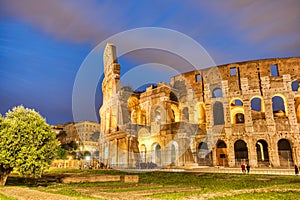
pixel 239 118
pixel 295 86
pixel 156 154
pixel 236 111
pixel 278 106
pixel 204 155
pixel 171 153
pixel 257 108
pixel 217 93
pixel 200 115
pixel 158 114
pixel 134 117
pixel 297 108
pixel 236 102
pixel 175 113
pixel 185 114
pixel 173 97
pixel 142 118
pixel 285 153
pixel 221 154
pixel 262 153
pixel 240 152
pixel 218 113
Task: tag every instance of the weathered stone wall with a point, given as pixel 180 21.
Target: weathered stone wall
pixel 217 101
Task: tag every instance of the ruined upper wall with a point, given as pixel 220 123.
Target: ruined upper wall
pixel 235 72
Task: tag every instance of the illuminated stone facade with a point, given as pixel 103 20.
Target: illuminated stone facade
pixel 245 112
pixel 84 133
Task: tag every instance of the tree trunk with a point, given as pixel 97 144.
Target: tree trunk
pixel 3 178
pixel 4 174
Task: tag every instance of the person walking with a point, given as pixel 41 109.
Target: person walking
pixel 248 168
pixel 243 168
pixel 296 170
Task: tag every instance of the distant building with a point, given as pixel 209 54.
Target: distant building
pixel 246 112
pixel 88 133
pixel 84 133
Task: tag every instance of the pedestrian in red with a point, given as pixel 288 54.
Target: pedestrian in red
pixel 243 168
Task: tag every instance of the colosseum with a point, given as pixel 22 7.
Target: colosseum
pixel 244 112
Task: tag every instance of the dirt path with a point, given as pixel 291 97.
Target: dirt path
pixel 29 194
pixel 236 192
pixel 137 194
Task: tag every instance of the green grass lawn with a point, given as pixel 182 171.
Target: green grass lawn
pixel 170 185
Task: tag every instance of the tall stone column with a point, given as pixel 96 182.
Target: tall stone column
pixel 248 117
pixel 252 152
pixel 273 152
pixel 294 154
pixel 230 152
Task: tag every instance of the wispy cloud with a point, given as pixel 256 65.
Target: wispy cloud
pixel 265 22
pixel 80 21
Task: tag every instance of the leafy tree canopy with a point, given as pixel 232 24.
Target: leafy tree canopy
pixel 27 143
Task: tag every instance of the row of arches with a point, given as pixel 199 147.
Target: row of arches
pixel 170 154
pixel 167 156
pixel 257 108
pixel 262 151
pixel 236 106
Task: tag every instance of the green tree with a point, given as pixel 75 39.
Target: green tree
pixel 61 153
pixel 61 136
pixel 27 143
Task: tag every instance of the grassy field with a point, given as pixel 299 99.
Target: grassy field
pixel 170 185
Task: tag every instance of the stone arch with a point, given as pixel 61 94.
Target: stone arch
pixel 221 153
pixel 262 153
pixel 257 108
pixel 236 111
pixel 134 117
pixel 217 93
pixel 240 152
pixel 133 103
pixel 175 112
pixel 218 113
pixel 173 97
pixel 297 108
pixel 156 154
pixel 285 153
pixel 143 133
pixel 172 152
pixel 142 118
pixel 158 114
pixel 200 114
pixel 279 106
pixel 204 155
pixel 134 110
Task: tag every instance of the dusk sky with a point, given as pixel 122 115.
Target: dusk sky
pixel 44 42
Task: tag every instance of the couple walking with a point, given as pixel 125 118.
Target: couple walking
pixel 244 167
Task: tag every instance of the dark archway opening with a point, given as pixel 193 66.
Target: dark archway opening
pixel 221 154
pixel 240 152
pixel 262 153
pixel 218 113
pixel 285 153
pixel 204 155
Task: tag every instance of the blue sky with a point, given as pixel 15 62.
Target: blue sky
pixel 43 43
